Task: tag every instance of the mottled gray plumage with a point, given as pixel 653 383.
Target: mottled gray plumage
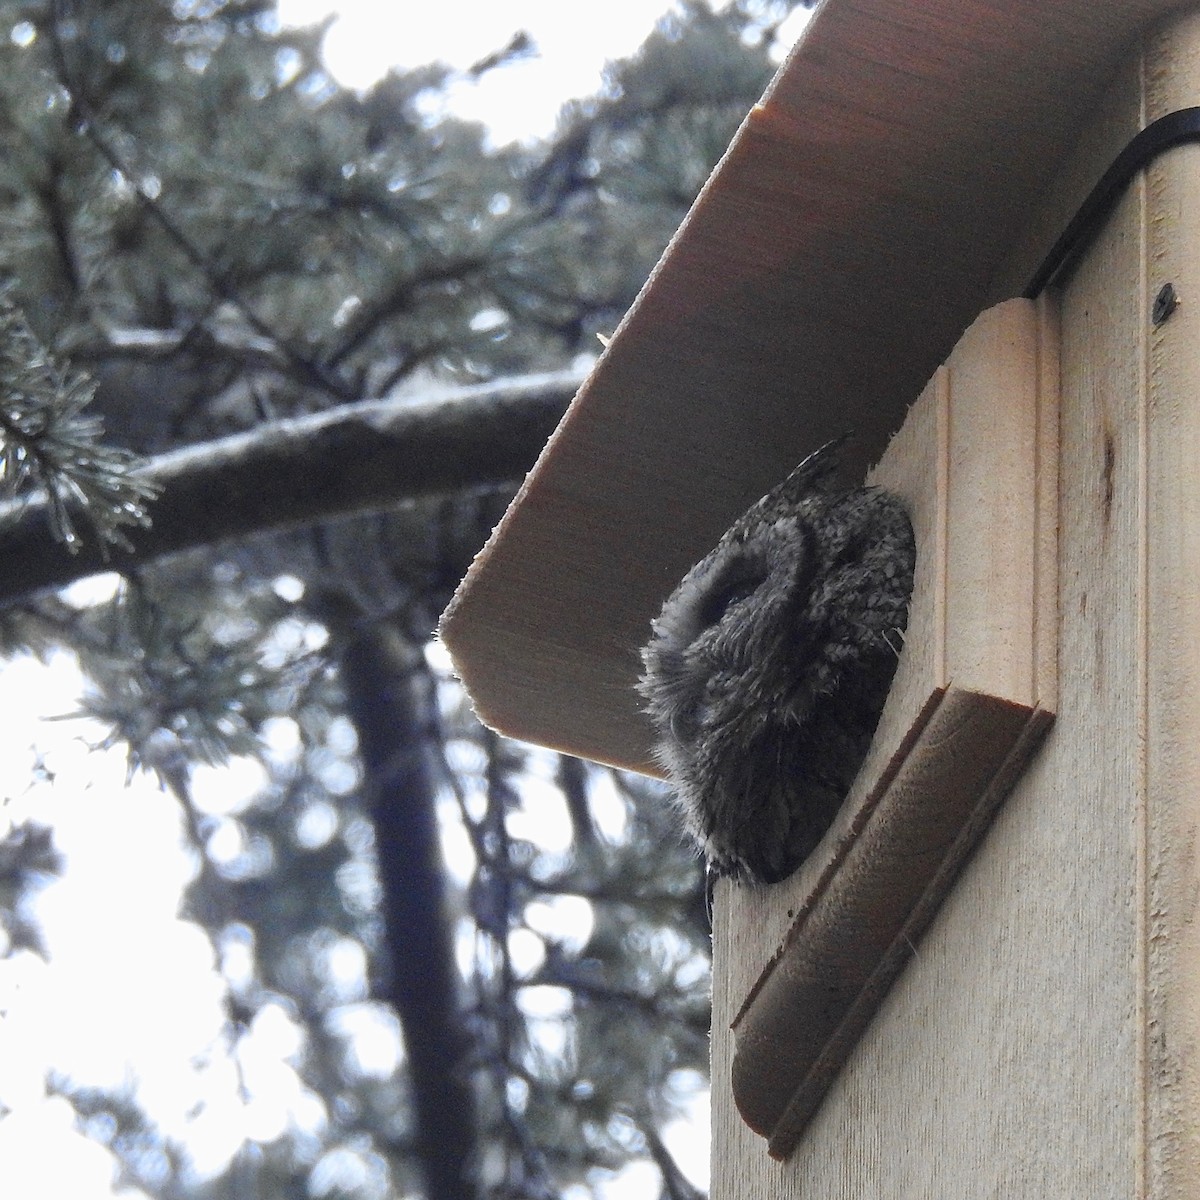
pixel 770 663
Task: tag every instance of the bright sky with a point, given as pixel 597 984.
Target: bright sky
pixel 573 41
pixel 99 1009
pixel 109 1013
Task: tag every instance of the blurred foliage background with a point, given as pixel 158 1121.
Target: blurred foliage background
pixel 202 235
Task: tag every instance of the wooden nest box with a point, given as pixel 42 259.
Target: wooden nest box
pixel 969 231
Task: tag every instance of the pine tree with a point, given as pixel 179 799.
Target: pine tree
pixel 246 273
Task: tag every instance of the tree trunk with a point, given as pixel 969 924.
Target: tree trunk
pixel 390 706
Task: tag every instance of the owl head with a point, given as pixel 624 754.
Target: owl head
pixel 770 644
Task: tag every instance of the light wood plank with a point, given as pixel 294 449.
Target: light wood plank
pixel 1170 433
pixel 1007 1059
pixel 963 716
pixel 853 231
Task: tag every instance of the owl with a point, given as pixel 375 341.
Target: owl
pixel 769 665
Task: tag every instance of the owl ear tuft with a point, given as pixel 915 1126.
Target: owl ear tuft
pixel 803 481
pixel 820 464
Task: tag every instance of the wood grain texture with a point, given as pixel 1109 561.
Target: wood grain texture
pixel 963 716
pixel 1045 1039
pixel 857 225
pixel 819 994
pixel 1169 450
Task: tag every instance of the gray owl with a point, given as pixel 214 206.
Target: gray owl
pixel 769 665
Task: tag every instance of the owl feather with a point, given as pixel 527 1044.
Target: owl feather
pixel 769 665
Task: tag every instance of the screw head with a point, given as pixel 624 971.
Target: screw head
pixel 1165 303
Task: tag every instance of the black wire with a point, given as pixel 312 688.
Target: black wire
pixel 1177 127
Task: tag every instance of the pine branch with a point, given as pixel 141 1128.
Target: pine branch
pixel 218 281
pixel 353 459
pixel 47 441
pixel 401 297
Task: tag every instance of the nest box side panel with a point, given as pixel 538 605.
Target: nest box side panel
pixel 1044 1037
pixel 1166 448
pixel 974 464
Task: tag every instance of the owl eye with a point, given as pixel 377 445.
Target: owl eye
pixel 737 581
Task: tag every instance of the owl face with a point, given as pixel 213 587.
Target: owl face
pixel 722 639
pixel 769 665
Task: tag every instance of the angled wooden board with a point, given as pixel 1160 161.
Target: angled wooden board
pixel 974 693
pixel 881 194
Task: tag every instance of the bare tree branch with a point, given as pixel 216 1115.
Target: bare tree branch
pixel 676 1185
pixel 402 297
pixel 352 459
pixel 152 345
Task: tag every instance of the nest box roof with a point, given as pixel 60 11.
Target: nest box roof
pixel 860 220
